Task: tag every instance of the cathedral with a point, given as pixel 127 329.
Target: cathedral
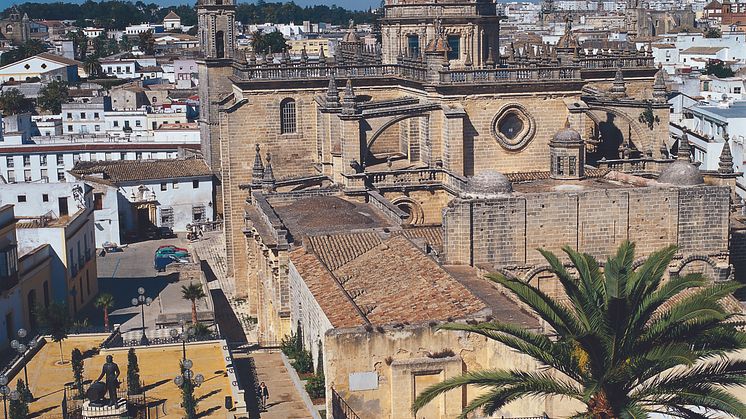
pixel 345 179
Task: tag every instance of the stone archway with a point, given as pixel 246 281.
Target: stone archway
pixel 717 272
pixel 389 139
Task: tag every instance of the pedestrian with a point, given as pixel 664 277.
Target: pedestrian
pixel 263 396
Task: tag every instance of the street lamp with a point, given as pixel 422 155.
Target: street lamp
pixel 141 300
pixel 21 348
pixel 184 336
pixel 187 376
pixel 5 391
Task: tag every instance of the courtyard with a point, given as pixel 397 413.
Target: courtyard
pixel 158 366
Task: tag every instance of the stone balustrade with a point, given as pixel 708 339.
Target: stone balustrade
pixel 407 177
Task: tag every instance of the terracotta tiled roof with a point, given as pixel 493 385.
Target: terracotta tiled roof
pixel 338 308
pixel 338 249
pixel 396 282
pixel 433 235
pixel 171 15
pixel 392 282
pixel 137 170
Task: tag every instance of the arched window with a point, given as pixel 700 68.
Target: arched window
pixel 287 116
pixel 219 44
pixel 9 29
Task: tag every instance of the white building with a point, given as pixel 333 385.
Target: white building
pixel 121 69
pixel 708 126
pixel 714 89
pixel 127 124
pixel 92 32
pixel 151 193
pixel 85 118
pixel 39 65
pixel 172 21
pixel 61 216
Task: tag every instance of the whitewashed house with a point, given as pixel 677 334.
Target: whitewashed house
pixel 151 193
pixel 40 65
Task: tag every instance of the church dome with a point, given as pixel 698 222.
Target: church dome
pixel 681 173
pixel 490 182
pixel 567 135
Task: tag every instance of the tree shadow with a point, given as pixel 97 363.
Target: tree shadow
pixel 208 412
pixel 154 385
pixel 206 395
pixel 39 413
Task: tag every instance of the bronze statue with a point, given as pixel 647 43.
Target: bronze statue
pixel 111 371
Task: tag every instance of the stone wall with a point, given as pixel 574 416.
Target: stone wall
pixel 306 311
pixel 378 373
pixel 506 231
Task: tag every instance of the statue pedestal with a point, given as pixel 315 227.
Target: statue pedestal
pixel 93 410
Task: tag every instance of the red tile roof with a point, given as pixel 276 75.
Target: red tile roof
pixel 138 170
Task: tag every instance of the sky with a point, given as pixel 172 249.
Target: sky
pixel 349 4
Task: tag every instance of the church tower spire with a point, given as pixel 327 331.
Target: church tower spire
pixel 217 23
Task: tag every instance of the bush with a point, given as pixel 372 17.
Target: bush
pixel 316 386
pixel 77 366
pixel 289 345
pixel 133 373
pixel 303 362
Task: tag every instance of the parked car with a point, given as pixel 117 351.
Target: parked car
pixel 172 251
pixel 160 262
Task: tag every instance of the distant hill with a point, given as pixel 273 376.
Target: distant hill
pixel 119 14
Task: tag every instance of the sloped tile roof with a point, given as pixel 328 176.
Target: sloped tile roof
pixel 335 250
pixel 392 282
pixel 138 170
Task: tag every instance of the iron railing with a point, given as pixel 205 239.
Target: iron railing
pixel 340 408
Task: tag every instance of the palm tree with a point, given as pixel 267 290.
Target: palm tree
pixel 193 292
pixel 92 66
pixel 627 343
pixel 105 302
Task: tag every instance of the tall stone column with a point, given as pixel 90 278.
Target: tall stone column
pixel 453 140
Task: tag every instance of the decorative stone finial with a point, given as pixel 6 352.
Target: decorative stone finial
pixel 725 166
pixel 619 87
pixel 684 152
pixel 257 173
pixel 349 99
pixel 467 61
pixel 659 86
pixel 268 180
pixel 490 58
pixel 332 94
pixel 322 56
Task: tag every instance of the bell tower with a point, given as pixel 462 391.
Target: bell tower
pixel 217 25
pixel 216 21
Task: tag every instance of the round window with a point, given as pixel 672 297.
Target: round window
pixel 513 127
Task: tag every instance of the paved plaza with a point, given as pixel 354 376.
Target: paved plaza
pixel 158 367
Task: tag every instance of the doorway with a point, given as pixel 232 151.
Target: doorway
pixel 62 201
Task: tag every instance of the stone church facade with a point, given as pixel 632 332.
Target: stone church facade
pixel 463 154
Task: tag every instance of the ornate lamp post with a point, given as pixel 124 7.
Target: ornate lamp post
pixel 183 336
pixel 187 381
pixel 19 346
pixel 141 300
pixel 7 393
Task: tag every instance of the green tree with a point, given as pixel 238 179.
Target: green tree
pixel 57 322
pixel 133 373
pixel 92 66
pixel 718 69
pixel 713 33
pixel 188 401
pixel 13 102
pixel 105 302
pixel 264 43
pixel 25 391
pixel 18 409
pixel 77 366
pixel 320 361
pixel 25 50
pixel 299 339
pixel 53 95
pixel 627 343
pixel 80 43
pixel 146 43
pixel 193 292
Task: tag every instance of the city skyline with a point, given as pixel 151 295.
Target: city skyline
pixel 348 4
